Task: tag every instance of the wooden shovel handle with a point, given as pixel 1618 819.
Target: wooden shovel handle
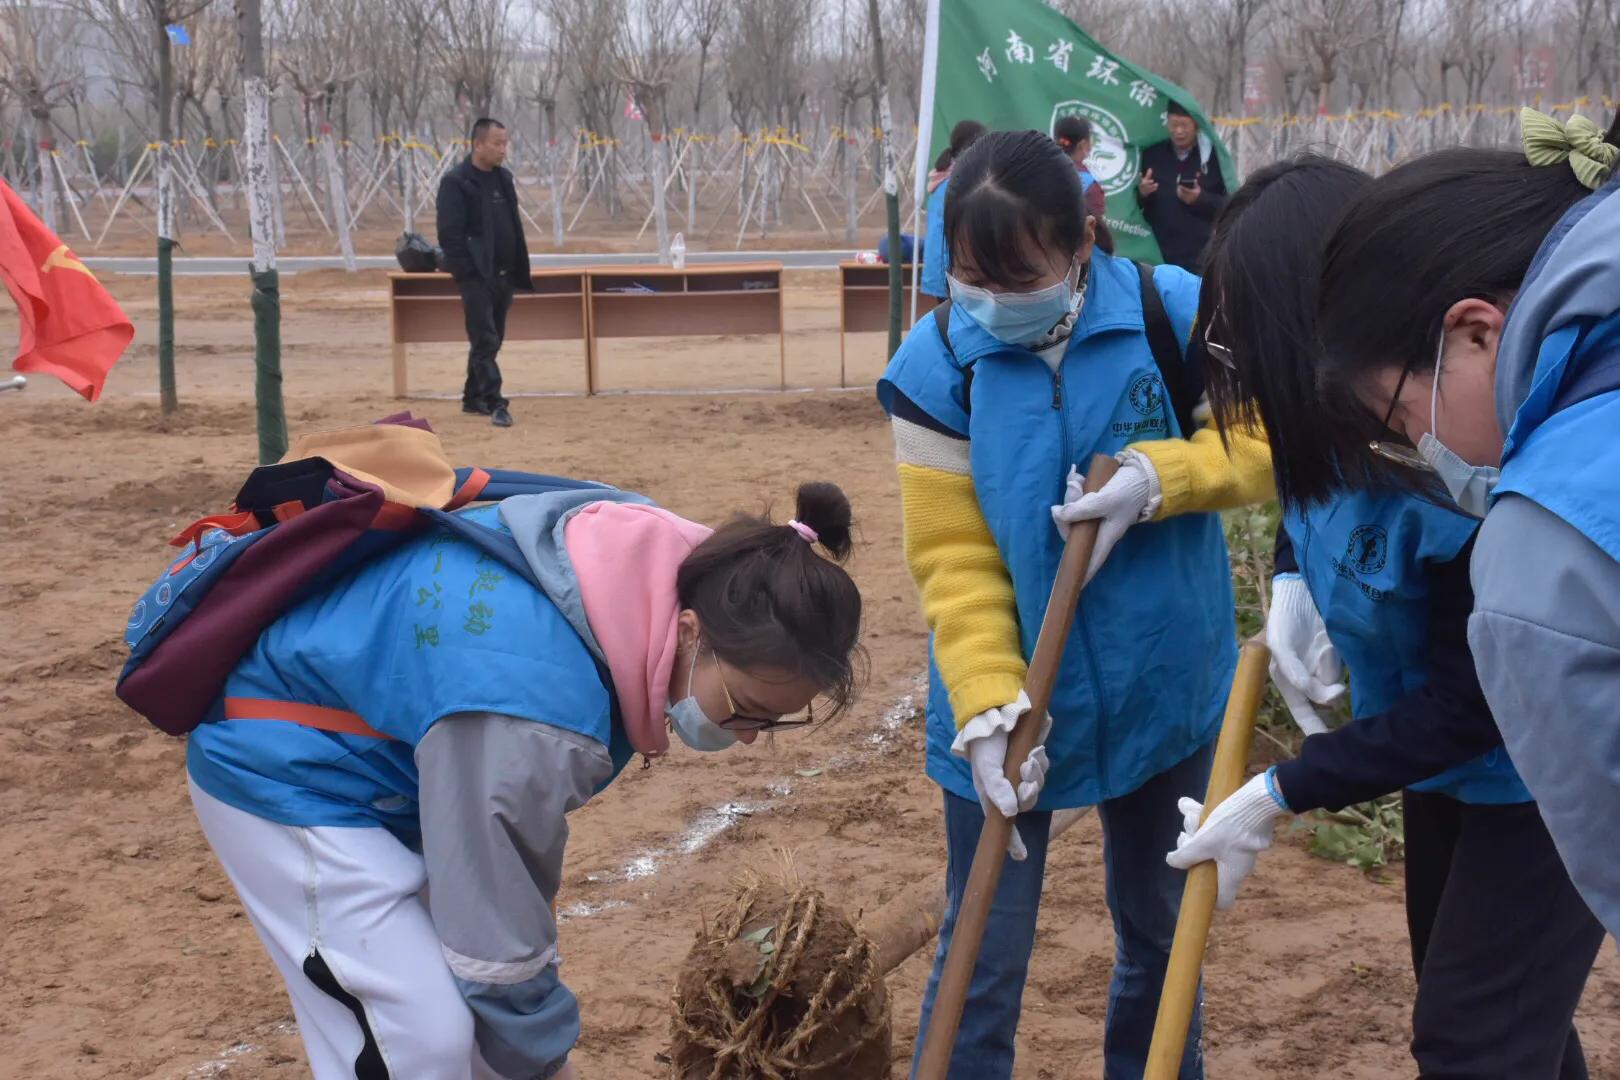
pixel 1180 992
pixel 940 1038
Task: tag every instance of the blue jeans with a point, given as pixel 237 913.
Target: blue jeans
pixel 1143 896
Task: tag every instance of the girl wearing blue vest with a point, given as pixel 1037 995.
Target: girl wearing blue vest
pixel 1375 577
pixel 1494 367
pixel 387 776
pixel 1047 361
pixel 936 254
pixel 1073 135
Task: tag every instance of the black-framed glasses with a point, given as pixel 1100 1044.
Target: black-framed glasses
pixel 739 722
pixel 1404 453
pixel 1221 353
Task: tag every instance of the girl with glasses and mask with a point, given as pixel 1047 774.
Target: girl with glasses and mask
pixel 402 869
pixel 1493 365
pixel 1045 360
pixel 1372 573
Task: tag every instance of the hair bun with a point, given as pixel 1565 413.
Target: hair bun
pixel 825 508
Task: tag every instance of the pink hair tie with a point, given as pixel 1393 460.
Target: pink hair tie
pixel 810 535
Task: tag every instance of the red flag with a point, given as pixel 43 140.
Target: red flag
pixel 71 327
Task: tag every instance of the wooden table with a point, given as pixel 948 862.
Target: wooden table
pixel 863 302
pixel 587 304
pixel 697 301
pixel 426 308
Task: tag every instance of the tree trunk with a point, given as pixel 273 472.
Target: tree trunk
pixel 660 168
pixel 891 181
pixel 272 416
pixel 47 175
pixel 558 234
pixel 852 209
pixel 167 392
pixel 337 197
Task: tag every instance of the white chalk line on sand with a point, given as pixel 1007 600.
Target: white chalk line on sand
pixel 713 821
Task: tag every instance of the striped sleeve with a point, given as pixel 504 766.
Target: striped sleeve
pixel 967 595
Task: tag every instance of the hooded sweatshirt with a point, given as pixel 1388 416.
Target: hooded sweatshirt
pixel 1545 631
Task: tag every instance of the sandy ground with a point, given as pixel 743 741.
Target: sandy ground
pixel 125 953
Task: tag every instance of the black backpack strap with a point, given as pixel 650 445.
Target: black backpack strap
pixel 1181 381
pixel 942 323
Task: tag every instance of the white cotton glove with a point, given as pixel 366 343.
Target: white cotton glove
pixel 1304 664
pixel 1236 832
pixel 983 741
pixel 1132 495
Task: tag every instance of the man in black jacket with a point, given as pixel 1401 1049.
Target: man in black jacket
pixel 484 250
pixel 1180 192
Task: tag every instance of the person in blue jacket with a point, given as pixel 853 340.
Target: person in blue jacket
pixel 387 775
pixel 1375 578
pixel 1045 361
pixel 935 252
pixel 1494 368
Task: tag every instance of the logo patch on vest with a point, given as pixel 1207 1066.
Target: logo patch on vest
pixel 1147 398
pixel 1364 555
pixel 1147 395
pixel 1368 549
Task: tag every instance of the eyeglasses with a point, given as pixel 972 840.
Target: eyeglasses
pixel 1403 453
pixel 738 722
pixel 1220 352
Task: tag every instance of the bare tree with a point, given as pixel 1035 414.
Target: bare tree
pixel 1472 36
pixel 474 50
pixel 41 68
pixel 1215 37
pixel 853 78
pixel 1324 32
pixel 645 57
pixel 585 32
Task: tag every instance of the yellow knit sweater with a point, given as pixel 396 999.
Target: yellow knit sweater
pixel 967 596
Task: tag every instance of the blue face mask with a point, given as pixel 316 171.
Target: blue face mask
pixel 1470 486
pixel 693 725
pixel 1019 318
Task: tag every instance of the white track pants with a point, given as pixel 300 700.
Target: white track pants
pixel 341 912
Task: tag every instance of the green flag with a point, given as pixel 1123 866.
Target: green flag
pixel 1017 64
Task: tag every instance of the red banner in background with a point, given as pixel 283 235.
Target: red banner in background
pixel 71 327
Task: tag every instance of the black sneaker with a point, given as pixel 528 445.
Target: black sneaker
pixel 500 417
pixel 475 410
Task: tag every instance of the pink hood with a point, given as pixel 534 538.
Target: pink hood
pixel 624 557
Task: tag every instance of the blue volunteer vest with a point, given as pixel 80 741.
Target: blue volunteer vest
pixel 1365 557
pixel 936 253
pixel 431 629
pixel 1564 450
pixel 1146 671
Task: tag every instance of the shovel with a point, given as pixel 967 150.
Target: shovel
pixel 1180 990
pixel 940 1038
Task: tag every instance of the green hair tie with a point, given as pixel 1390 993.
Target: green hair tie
pixel 1579 142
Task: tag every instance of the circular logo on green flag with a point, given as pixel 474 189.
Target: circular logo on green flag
pixel 1111 161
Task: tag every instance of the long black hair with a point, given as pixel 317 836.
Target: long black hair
pixel 963 135
pixel 767 599
pixel 1259 302
pixel 1012 193
pixel 1444 227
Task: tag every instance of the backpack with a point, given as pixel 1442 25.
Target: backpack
pixel 417 254
pixel 1182 381
pixel 295 528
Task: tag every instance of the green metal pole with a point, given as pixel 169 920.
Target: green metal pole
pixel 167 393
pixel 272 414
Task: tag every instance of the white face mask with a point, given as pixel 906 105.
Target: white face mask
pixel 692 724
pixel 1469 485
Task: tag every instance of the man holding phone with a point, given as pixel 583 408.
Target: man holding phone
pixel 1181 190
